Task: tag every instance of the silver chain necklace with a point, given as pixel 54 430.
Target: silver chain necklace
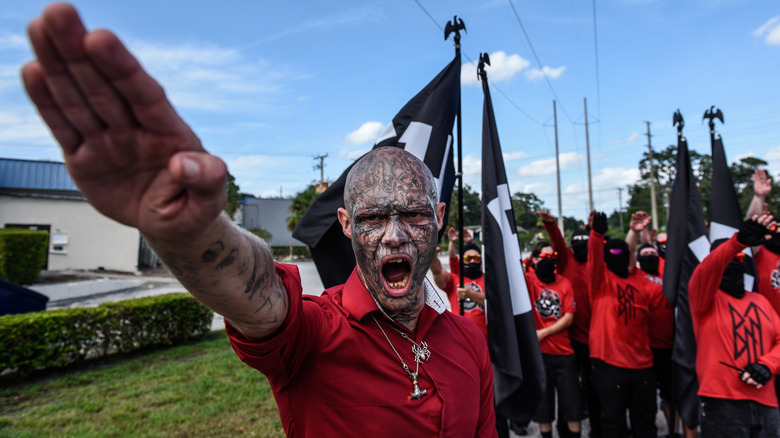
pixel 421 353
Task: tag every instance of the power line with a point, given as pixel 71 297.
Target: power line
pixel 541 66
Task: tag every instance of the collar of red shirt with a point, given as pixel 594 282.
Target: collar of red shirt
pixel 359 302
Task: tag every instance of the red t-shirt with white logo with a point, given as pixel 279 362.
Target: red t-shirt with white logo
pixel 550 302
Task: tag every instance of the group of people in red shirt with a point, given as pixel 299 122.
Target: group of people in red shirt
pixel 606 330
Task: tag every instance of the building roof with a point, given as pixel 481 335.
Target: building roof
pixel 47 176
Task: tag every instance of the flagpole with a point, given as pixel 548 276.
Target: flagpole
pixel 455 26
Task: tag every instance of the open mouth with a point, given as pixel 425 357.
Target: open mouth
pixel 396 272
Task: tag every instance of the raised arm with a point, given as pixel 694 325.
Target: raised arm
pixel 556 240
pixel 137 162
pixel 762 186
pixel 639 222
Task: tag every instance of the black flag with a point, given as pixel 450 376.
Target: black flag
pixel 686 246
pixel 518 370
pixel 422 127
pixel 725 214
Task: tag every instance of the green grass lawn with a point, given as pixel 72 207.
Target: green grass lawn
pixel 199 389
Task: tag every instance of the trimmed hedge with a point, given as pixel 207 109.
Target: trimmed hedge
pixel 22 254
pixel 57 338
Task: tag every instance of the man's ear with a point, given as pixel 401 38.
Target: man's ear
pixel 440 214
pixel 345 222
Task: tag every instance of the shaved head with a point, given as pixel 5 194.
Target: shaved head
pixel 392 216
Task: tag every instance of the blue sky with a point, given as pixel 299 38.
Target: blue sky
pixel 270 85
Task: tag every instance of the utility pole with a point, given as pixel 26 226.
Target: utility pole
pixel 653 205
pixel 558 168
pixel 620 206
pixel 321 166
pixel 587 149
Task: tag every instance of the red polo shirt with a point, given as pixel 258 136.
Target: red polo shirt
pixel 333 373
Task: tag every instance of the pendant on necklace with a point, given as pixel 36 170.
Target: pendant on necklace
pixel 421 352
pixel 417 393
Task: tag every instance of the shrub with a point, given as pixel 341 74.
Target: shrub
pixel 22 254
pixel 56 338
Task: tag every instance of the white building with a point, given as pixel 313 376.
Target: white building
pixel 41 195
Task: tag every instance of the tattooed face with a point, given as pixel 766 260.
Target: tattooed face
pixel 392 217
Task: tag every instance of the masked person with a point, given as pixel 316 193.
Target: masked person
pixel 622 362
pixel 552 301
pixel 470 297
pixel 572 264
pixel 377 356
pixel 661 320
pixel 738 340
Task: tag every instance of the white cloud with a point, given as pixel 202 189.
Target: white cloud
pixel 367 133
pixel 547 166
pixel 631 139
pixel 213 78
pixel 353 154
pixel 553 73
pixel 13 42
pixel 502 68
pixel 615 177
pixel 511 156
pixel 770 31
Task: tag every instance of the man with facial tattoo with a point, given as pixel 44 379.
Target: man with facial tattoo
pixel 377 356
pixel 738 340
pixel 471 297
pixel 552 303
pixel 572 264
pixel 621 359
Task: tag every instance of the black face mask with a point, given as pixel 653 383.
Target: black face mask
pixel 733 280
pixel 472 270
pixel 662 250
pixel 617 263
pixel 773 245
pixel 648 263
pixel 545 270
pixel 580 250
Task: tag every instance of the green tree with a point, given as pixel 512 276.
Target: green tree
pixel 300 204
pixel 234 195
pixel 525 206
pixel 472 208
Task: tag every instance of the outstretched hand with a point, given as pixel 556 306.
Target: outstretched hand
pixel 546 217
pixel 600 223
pixel 762 185
pixel 639 221
pixel 125 147
pixel 756 230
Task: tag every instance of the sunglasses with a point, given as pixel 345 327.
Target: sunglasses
pixel 661 240
pixel 740 257
pixel 472 258
pixel 548 255
pixel 580 237
pixel 615 251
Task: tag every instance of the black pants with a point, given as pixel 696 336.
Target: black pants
pixel 620 389
pixel 590 397
pixel 738 418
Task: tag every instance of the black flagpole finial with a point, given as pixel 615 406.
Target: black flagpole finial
pixel 677 120
pixel 483 59
pixel 454 26
pixel 712 114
